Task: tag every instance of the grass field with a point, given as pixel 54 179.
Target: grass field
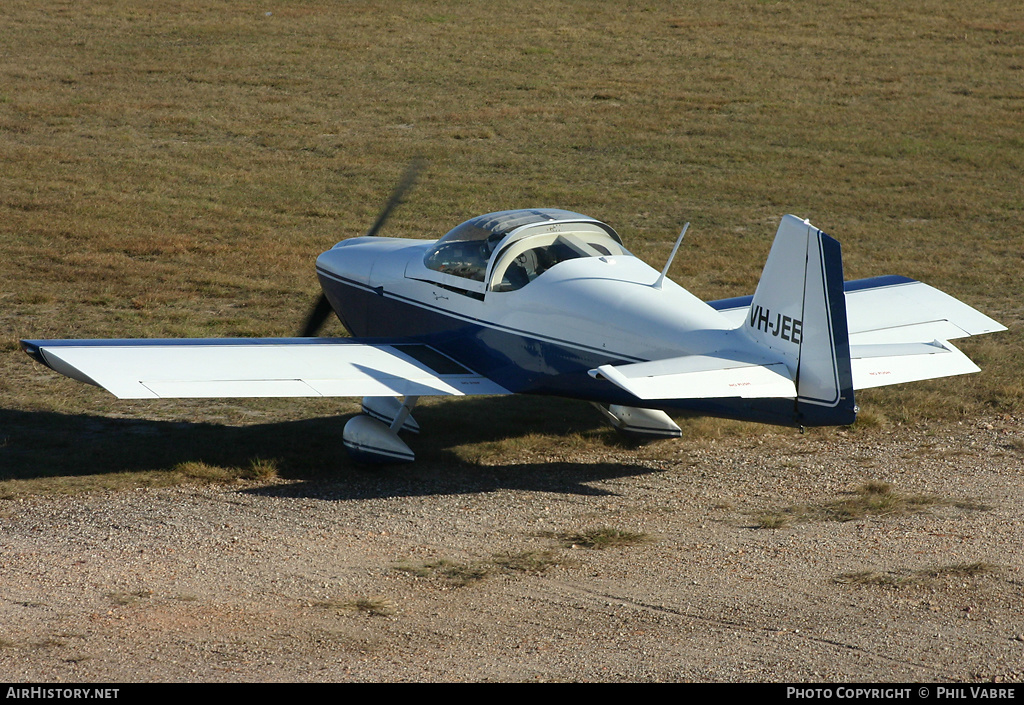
pixel 173 169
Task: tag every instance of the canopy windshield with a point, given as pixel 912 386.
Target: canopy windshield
pixel 466 249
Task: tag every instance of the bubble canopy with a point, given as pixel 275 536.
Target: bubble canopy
pixel 537 238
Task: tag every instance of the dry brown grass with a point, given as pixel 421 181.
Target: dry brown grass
pixel 921 577
pixel 603 537
pixel 873 498
pixel 461 574
pixel 173 169
pixel 373 606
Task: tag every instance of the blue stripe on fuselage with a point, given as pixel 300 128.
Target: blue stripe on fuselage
pixel 517 360
pixel 514 359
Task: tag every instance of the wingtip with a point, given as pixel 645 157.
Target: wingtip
pixel 31 348
pixel 36 349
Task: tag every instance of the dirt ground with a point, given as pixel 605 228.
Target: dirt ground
pixel 427 573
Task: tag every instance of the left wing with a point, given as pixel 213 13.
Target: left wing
pixel 259 367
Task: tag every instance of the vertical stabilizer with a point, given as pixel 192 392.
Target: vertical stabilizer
pixel 799 313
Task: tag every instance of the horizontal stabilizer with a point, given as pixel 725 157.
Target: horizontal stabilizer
pixel 250 367
pixel 904 311
pixel 702 377
pixel 893 309
pixel 883 364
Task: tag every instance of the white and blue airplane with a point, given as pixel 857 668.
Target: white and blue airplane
pixel 549 302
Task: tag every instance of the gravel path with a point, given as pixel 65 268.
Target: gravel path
pixel 433 574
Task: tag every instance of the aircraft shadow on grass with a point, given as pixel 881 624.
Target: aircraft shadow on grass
pixel 40 444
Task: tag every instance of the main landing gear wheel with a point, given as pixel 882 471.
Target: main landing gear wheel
pixel 372 437
pixel 642 424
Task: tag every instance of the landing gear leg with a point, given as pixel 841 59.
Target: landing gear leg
pixel 387 409
pixel 404 415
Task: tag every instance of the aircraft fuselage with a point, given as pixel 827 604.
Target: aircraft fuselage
pixel 544 337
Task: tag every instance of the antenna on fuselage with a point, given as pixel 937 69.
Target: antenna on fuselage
pixel 661 280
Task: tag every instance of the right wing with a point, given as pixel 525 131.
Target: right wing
pixel 259 367
pixel 726 374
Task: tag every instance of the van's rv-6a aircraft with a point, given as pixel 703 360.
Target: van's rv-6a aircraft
pixel 546 301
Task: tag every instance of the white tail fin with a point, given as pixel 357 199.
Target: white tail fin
pixel 799 313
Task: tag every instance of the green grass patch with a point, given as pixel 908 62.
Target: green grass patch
pixel 458 574
pixel 192 471
pixel 373 606
pixel 776 520
pixel 129 598
pixel 199 471
pixel 532 562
